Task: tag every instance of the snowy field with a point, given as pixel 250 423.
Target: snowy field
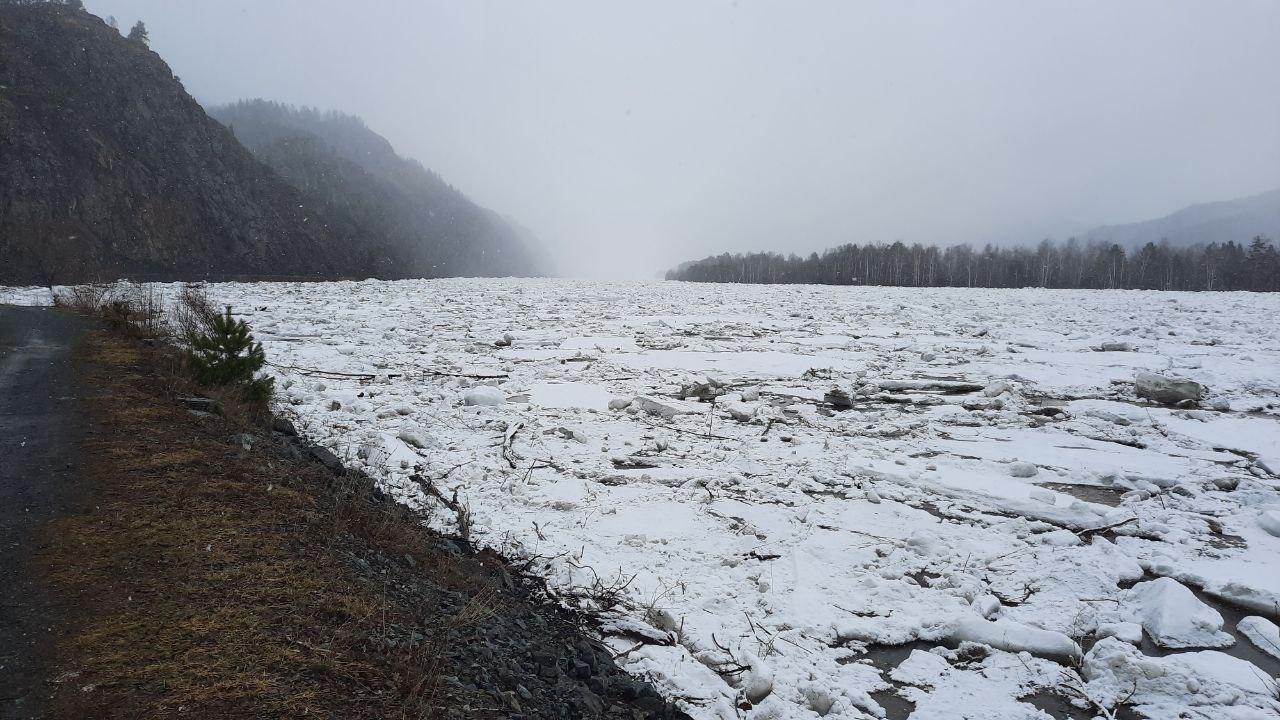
pixel 806 501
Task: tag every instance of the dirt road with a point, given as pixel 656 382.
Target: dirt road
pixel 41 426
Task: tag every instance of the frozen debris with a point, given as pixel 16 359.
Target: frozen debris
pixel 1059 538
pixel 620 403
pixel 1126 631
pixel 704 389
pixel 1269 520
pixel 1165 687
pixel 505 341
pixel 1106 416
pixel 986 605
pixel 1026 470
pixel 1261 632
pixel 1167 390
pixel 921 669
pixel 415 437
pixel 819 699
pixel 741 412
pixel 1174 617
pixel 1048 497
pixel 950 387
pixel 759 679
pixel 1116 346
pixel 984 403
pixel 569 433
pixel 837 398
pixel 1254 596
pixel 1015 637
pixel 996 389
pixel 784 537
pixel 484 395
pixel 666 409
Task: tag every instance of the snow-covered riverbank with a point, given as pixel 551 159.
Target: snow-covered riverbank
pixel 879 466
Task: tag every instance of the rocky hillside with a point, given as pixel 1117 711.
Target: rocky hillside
pixel 108 167
pixel 339 160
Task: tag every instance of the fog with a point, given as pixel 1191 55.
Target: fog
pixel 631 137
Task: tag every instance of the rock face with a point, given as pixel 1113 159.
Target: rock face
pixel 1167 390
pixel 108 167
pixel 434 228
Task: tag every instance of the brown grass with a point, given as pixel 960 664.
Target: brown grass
pixel 215 582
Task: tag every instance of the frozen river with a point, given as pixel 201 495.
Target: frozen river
pixel 769 490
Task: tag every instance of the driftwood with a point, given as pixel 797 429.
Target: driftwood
pixel 460 511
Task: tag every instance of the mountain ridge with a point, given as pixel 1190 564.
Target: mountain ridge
pixel 1238 220
pixel 108 168
pixel 338 157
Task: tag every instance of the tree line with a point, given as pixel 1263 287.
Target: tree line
pixel 1073 264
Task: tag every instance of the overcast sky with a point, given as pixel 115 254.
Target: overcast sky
pixel 632 136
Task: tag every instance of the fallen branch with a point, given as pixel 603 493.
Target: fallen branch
pixel 462 513
pixel 1090 532
pixel 508 440
pixel 673 428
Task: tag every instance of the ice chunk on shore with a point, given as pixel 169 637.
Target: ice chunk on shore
pixel 483 395
pixel 1174 617
pixel 1269 520
pixel 1015 637
pixel 1167 390
pixel 665 409
pixel 1261 632
pixel 1165 686
pixel 1023 470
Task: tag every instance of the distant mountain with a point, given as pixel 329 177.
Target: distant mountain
pixel 1237 220
pixel 108 168
pixel 337 159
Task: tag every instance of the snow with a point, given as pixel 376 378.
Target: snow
pixel 771 531
pixel 1173 616
pixel 1208 682
pixel 483 395
pixel 1015 637
pixel 1262 633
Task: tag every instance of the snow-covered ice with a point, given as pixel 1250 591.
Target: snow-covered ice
pixel 958 471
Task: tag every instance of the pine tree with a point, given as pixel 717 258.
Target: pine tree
pixel 139 33
pixel 227 355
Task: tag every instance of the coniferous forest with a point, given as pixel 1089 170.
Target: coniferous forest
pixel 1073 264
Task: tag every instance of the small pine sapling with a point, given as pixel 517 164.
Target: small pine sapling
pixel 227 355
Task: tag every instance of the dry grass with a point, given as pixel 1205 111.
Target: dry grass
pixel 193 312
pixel 216 582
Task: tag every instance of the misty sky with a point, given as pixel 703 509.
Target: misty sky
pixel 630 137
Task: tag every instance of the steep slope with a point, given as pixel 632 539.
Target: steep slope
pixel 338 159
pixel 109 168
pixel 1232 220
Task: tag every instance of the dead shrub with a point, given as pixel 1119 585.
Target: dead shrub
pixel 134 308
pixel 193 312
pixel 89 298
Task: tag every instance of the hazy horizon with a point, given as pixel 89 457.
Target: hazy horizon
pixel 630 139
